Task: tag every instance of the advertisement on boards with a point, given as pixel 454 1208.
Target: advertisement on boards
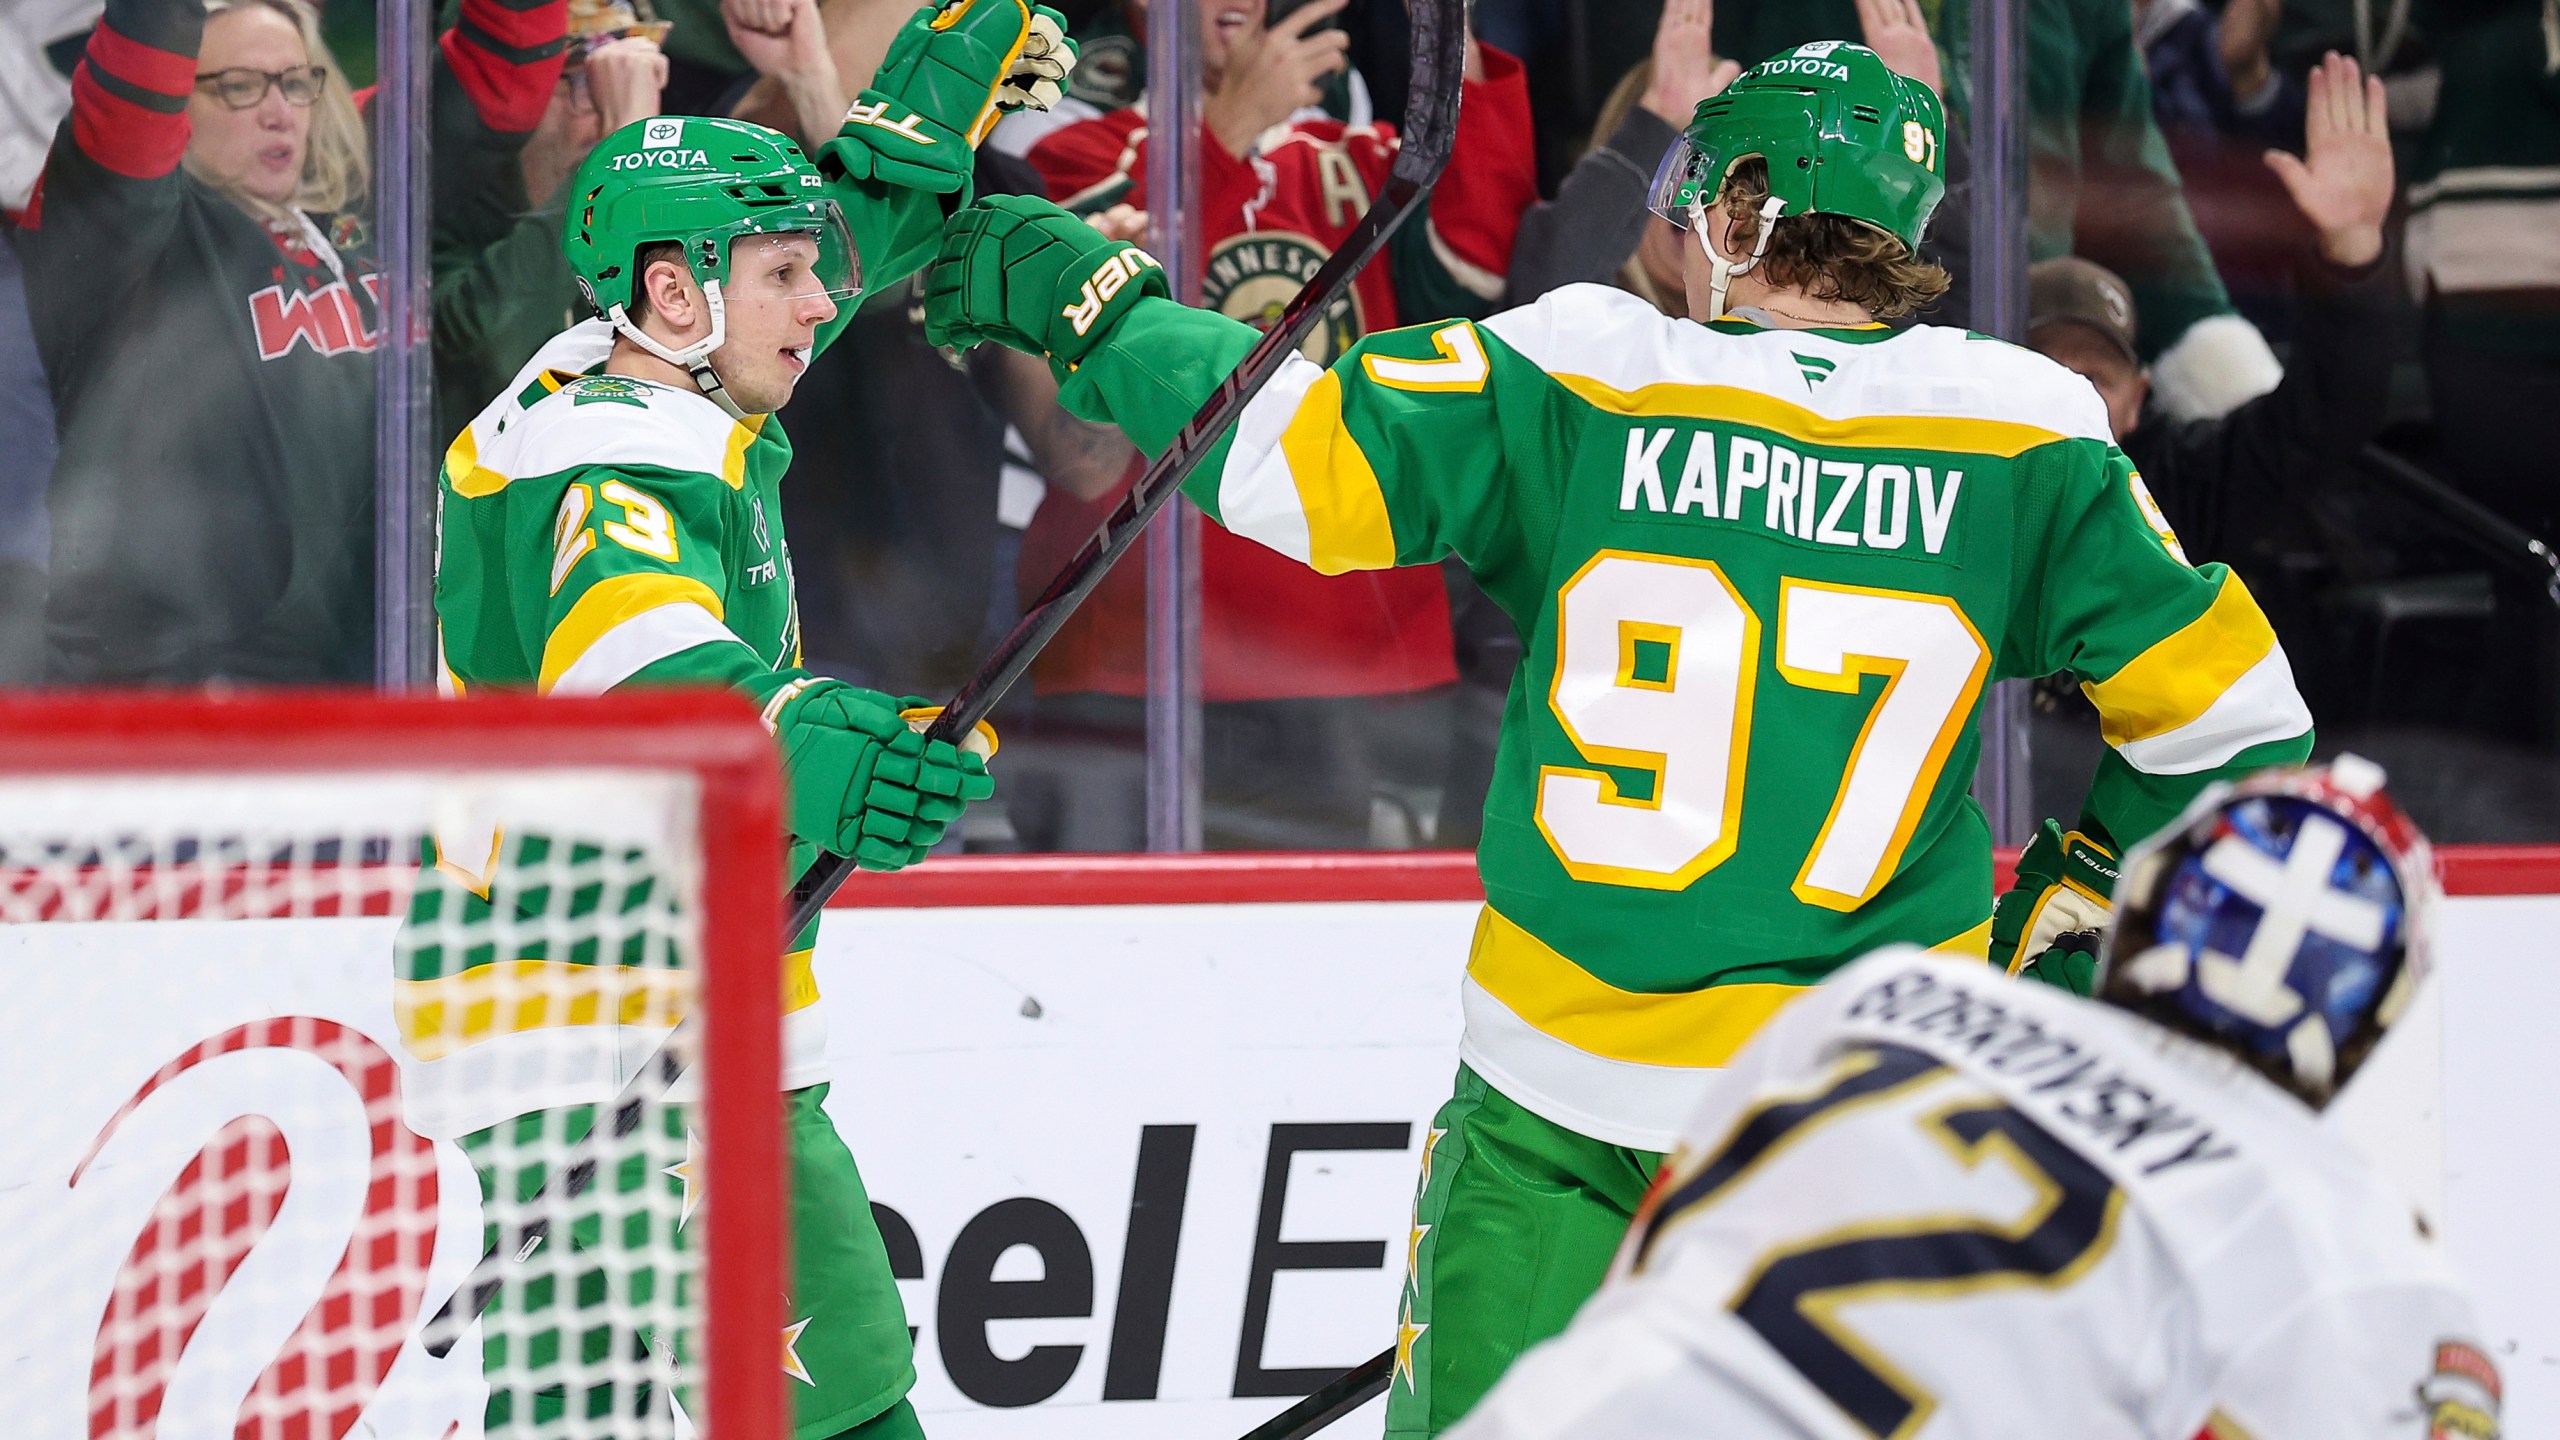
pixel 1144 1169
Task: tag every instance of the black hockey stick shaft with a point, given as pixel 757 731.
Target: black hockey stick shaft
pixel 469 1299
pixel 1349 1391
pixel 1430 125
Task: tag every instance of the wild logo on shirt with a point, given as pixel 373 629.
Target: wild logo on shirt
pixel 609 390
pixel 1253 276
pixel 327 319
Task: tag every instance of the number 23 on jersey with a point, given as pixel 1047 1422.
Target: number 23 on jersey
pixel 1657 670
pixel 645 527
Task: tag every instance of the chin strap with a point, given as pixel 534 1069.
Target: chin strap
pixel 1721 270
pixel 695 358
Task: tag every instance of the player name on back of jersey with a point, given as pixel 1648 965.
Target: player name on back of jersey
pixel 2064 1078
pixel 1699 473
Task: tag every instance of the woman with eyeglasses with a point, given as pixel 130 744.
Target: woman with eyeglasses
pixel 201 280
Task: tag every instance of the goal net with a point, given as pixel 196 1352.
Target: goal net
pixel 313 1001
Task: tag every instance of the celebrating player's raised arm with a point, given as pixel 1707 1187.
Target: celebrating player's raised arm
pixel 1395 455
pixel 906 150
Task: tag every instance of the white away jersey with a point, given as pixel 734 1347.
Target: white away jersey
pixel 1930 1202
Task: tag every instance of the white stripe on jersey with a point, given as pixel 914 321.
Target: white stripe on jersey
pixel 526 1070
pixel 1257 493
pixel 1603 333
pixel 2262 705
pixel 638 643
pixel 1646 1104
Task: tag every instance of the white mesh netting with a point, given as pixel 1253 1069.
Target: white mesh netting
pixel 264 1065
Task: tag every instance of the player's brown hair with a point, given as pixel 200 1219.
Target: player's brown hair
pixel 1831 257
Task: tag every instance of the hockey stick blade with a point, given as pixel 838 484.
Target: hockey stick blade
pixel 1349 1391
pixel 1431 122
pixel 470 1298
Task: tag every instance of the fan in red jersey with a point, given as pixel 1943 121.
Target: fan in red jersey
pixel 1315 685
pixel 201 281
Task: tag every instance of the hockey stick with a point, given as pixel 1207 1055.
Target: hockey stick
pixel 1430 127
pixel 665 1066
pixel 1349 1391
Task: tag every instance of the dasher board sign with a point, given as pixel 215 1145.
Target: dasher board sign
pixel 1142 1135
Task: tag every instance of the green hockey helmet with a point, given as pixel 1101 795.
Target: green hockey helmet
pixel 1841 135
pixel 704 184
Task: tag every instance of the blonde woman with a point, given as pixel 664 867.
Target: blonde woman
pixel 204 296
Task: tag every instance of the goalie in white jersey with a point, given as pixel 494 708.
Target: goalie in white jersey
pixel 1931 1202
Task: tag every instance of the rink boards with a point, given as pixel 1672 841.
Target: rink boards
pixel 1143 1132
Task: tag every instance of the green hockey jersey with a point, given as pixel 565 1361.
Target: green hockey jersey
pixel 594 531
pixel 1763 578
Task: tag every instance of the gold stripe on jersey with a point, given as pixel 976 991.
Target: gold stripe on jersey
pixel 1346 510
pixel 608 603
pixel 462 468
pixel 733 458
pixel 1975 943
pixel 507 997
pixel 2004 439
pixel 510 997
pixel 1563 1000
pixel 2180 677
pixel 1693 1028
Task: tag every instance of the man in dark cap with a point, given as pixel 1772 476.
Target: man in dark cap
pixel 2225 482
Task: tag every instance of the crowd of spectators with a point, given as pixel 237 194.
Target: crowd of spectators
pixel 189 311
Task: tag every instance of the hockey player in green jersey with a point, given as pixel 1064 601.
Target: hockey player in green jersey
pixel 1764 562
pixel 615 521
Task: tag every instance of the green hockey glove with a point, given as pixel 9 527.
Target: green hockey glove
pixel 949 74
pixel 1027 275
pixel 862 782
pixel 2050 924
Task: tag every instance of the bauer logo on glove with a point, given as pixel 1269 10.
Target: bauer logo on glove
pixel 1114 272
pixel 2051 924
pixel 1019 271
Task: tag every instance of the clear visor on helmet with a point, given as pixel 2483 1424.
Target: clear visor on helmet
pixel 783 252
pixel 1688 174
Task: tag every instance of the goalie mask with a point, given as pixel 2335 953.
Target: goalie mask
pixel 1840 133
pixel 2284 919
pixel 706 185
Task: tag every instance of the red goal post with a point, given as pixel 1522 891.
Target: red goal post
pixel 130 821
